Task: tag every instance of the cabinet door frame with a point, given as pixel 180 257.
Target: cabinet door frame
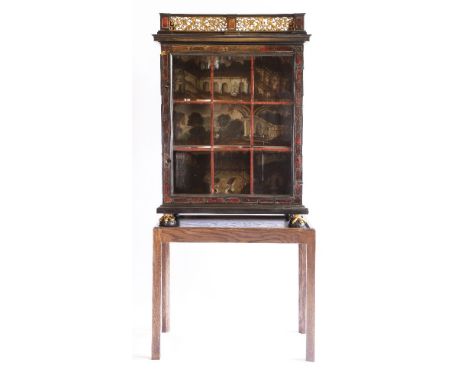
pixel 261 202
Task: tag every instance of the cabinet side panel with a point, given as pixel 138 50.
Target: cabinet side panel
pixel 298 94
pixel 166 114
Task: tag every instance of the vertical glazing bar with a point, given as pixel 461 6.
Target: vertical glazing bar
pixel 212 123
pixel 252 89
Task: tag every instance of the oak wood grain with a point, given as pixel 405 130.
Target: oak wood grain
pixel 302 286
pixel 233 235
pixel 310 305
pixel 156 340
pixel 206 230
pixel 165 287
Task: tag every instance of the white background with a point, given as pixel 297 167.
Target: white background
pixel 385 129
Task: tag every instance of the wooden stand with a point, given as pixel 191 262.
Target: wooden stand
pixel 233 229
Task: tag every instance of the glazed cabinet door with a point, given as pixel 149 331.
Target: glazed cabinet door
pixel 232 124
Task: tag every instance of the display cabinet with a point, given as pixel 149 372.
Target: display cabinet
pixel 231 113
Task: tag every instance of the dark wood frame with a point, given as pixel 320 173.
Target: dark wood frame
pixel 235 43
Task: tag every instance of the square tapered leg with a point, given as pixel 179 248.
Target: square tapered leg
pixel 156 340
pixel 302 287
pixel 165 287
pixel 310 296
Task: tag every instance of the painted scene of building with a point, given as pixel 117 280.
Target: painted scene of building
pixel 191 124
pixel 231 77
pixel 273 78
pixel 273 125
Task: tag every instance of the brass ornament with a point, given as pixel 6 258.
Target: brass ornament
pixel 265 24
pixel 297 221
pixel 168 220
pixel 239 24
pixel 198 24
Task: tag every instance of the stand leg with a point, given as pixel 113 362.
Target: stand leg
pixel 310 305
pixel 165 286
pixel 302 287
pixel 156 340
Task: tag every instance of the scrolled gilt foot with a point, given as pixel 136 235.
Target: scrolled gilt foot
pixel 297 221
pixel 168 220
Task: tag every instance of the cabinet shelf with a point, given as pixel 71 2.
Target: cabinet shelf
pixel 234 102
pixel 232 148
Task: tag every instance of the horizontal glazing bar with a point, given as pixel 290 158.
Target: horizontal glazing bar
pixel 232 148
pixel 233 102
pixel 195 101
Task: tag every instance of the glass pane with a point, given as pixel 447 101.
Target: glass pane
pixel 274 78
pixel 191 77
pixel 191 124
pixel 231 124
pixel 232 173
pixel 231 78
pixel 191 173
pixel 272 172
pixel 273 125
